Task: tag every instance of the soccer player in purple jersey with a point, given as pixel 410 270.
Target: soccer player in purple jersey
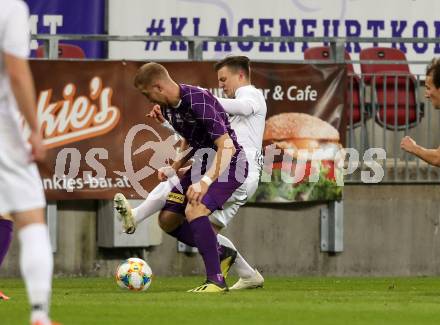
pixel 200 119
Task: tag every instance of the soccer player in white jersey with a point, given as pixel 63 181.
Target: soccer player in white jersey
pixel 21 191
pixel 247 108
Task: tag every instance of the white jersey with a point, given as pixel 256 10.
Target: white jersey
pixel 248 118
pixel 20 184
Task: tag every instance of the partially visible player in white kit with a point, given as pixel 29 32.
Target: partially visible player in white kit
pixel 21 191
pixel 247 109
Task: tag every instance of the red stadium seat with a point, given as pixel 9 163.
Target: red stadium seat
pixel 394 88
pixel 353 85
pixel 65 51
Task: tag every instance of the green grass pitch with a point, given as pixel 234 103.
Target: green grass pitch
pixel 293 300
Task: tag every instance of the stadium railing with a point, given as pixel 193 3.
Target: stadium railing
pixel 373 130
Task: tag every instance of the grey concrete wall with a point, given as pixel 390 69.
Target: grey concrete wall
pixel 388 230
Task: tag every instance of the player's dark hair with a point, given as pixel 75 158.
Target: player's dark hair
pixel 433 70
pixel 235 63
pixel 148 73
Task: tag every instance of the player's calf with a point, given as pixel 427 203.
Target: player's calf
pixel 206 242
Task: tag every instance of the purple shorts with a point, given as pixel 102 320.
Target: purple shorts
pixel 218 192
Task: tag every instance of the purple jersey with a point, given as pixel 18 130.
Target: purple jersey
pixel 199 118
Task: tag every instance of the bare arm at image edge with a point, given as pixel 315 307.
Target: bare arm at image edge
pixel 431 156
pixel 15 48
pixel 23 88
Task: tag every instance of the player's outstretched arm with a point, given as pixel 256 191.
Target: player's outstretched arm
pixel 183 155
pixel 235 106
pixel 156 114
pixel 431 156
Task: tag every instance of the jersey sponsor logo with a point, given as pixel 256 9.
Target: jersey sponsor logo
pixel 176 197
pixel 77 117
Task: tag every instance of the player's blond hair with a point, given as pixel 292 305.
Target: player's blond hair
pixel 150 73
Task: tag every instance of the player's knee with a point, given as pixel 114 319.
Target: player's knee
pixel 189 212
pixel 167 223
pixel 196 211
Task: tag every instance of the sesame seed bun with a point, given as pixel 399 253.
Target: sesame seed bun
pixel 287 126
pixel 298 131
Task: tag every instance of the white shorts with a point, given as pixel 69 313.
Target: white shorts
pixel 238 198
pixel 20 183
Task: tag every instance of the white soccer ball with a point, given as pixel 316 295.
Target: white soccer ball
pixel 134 274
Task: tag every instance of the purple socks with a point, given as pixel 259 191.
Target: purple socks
pixel 206 241
pixel 199 233
pixel 6 227
pixel 184 234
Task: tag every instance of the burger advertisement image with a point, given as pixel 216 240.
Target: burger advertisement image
pixel 304 133
pixel 303 167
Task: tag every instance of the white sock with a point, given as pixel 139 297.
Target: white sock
pixel 36 264
pixel 242 267
pixel 155 200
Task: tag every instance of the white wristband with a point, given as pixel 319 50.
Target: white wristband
pixel 207 180
pixel 168 171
